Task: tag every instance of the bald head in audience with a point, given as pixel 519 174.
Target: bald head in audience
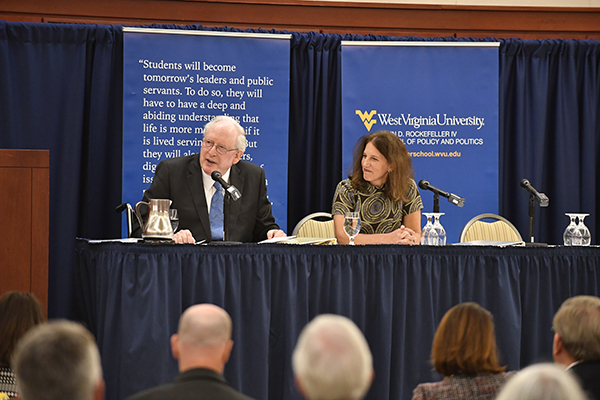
pixel 203 339
pixel 332 360
pixel 202 346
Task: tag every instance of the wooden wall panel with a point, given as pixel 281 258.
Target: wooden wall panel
pixel 320 16
pixel 15 233
pixel 24 219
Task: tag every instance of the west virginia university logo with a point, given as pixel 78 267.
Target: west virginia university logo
pixel 367 118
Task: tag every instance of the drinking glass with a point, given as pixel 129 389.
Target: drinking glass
pixel 352 225
pixel 571 232
pixel 439 229
pixel 174 217
pixel 577 233
pixel 433 233
pixel 428 234
pixel 584 232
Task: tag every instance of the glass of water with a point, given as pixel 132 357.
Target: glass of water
pixel 571 236
pixel 433 233
pixel 174 217
pixel 352 225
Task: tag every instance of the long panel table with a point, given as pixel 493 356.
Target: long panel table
pixel 132 295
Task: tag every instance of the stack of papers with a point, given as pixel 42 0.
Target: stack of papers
pixel 497 243
pixel 125 240
pixel 300 240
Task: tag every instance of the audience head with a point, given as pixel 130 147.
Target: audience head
pixel 465 342
pixel 203 339
pixel 58 361
pixel 19 312
pixel 395 154
pixel 332 360
pixel 577 330
pixel 542 382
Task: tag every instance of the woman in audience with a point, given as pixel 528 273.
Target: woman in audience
pixel 543 382
pixel 464 351
pixel 19 312
pixel 382 190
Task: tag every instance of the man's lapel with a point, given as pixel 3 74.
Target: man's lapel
pixel 236 178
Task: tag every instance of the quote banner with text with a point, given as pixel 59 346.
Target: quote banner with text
pixel 175 81
pixel 441 99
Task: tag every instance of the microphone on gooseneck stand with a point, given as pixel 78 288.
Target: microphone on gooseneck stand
pixel 540 198
pixel 232 190
pixel 534 197
pixel 452 198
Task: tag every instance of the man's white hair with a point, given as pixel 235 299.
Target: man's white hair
pixel 241 141
pixel 542 382
pixel 332 359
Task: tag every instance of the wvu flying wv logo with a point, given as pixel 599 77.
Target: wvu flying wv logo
pixel 367 118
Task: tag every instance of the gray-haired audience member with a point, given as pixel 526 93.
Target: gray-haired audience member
pixel 202 346
pixel 332 360
pixel 577 341
pixel 542 382
pixel 58 361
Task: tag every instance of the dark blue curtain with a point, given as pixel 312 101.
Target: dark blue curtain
pixel 550 132
pixel 61 89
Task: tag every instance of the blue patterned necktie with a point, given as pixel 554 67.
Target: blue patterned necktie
pixel 216 213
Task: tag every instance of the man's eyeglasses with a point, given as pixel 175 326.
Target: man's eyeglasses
pixel 209 144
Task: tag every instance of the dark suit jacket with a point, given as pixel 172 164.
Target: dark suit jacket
pixel 588 373
pixel 246 220
pixel 196 384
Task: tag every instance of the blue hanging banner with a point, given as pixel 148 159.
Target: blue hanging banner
pixel 441 99
pixel 175 81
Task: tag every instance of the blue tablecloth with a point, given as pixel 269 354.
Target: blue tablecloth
pixel 131 297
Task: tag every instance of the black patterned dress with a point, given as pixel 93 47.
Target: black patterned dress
pixel 8 384
pixel 378 214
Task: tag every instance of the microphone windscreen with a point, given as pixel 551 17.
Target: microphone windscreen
pixel 215 175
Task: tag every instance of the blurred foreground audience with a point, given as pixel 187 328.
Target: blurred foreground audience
pixel 464 351
pixel 332 360
pixel 19 312
pixel 577 341
pixel 542 382
pixel 58 360
pixel 202 346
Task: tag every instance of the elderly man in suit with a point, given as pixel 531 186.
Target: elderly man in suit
pixel 188 183
pixel 332 360
pixel 202 346
pixel 577 341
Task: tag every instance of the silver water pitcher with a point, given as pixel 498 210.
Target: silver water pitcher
pixel 158 225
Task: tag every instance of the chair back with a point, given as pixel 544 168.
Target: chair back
pixel 309 226
pixel 499 230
